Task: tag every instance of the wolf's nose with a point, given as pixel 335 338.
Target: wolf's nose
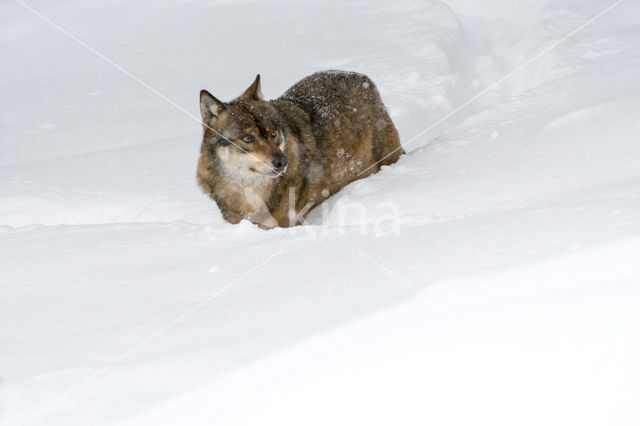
pixel 279 161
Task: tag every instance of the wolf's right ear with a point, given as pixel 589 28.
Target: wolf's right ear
pixel 210 107
pixel 254 92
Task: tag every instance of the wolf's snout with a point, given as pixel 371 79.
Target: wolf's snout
pixel 279 161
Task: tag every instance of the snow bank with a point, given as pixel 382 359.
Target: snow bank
pixel 553 342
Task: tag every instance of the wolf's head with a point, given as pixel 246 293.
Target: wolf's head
pixel 244 137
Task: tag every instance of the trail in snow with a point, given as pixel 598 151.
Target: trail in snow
pixel 518 216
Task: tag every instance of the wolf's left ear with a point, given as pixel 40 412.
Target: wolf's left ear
pixel 210 107
pixel 254 91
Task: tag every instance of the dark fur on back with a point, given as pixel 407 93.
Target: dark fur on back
pixel 332 126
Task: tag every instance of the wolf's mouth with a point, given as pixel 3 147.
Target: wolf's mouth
pixel 272 173
pixel 277 173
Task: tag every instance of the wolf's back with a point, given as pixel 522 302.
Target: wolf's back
pixel 327 92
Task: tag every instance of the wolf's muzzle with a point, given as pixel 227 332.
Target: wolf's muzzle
pixel 279 161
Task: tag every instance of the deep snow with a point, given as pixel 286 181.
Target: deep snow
pixel 489 277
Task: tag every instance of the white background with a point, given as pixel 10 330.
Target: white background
pixel 505 290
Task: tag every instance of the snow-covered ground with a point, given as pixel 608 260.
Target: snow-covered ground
pixel 491 276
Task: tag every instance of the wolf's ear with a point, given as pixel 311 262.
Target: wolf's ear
pixel 210 107
pixel 254 91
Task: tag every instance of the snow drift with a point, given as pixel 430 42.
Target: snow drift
pixel 489 277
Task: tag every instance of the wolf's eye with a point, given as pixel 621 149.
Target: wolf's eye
pixel 274 133
pixel 247 139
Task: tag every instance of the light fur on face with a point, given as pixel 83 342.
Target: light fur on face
pixel 245 166
pixel 283 141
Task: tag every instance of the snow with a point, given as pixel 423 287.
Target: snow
pixel 447 356
pixel 489 277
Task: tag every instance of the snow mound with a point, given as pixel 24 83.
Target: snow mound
pixel 488 277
